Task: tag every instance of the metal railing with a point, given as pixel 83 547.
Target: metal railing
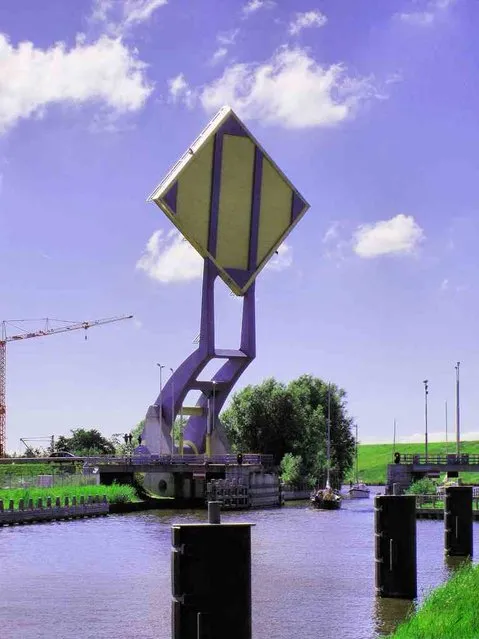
pixel 440 460
pixel 247 459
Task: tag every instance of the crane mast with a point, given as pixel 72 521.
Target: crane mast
pixel 48 329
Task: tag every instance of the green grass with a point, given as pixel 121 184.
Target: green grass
pixel 115 494
pixel 374 458
pixel 449 612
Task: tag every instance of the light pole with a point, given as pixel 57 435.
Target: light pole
pixel 426 393
pixel 172 412
pixel 161 367
pixel 458 413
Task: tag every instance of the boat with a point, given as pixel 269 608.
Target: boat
pixel 358 490
pixel 327 498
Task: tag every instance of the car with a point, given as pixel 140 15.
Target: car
pixel 62 453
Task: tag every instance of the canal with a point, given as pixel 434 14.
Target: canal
pixel 109 578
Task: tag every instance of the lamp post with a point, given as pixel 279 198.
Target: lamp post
pixel 161 367
pixel 458 413
pixel 172 411
pixel 426 393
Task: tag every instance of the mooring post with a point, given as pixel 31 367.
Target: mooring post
pixel 211 580
pixel 214 512
pixel 395 552
pixel 397 488
pixel 458 538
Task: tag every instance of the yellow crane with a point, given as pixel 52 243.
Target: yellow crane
pixel 49 328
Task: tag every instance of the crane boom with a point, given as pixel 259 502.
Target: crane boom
pixel 47 330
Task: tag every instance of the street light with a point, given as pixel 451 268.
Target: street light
pixel 426 392
pixel 173 413
pixel 161 367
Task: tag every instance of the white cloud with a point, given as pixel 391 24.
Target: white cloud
pixel 444 284
pixel 31 79
pixel 431 12
pixel 180 90
pixel 170 259
pixel 332 233
pixel 219 54
pixel 291 90
pixel 227 37
pixel 282 260
pixel 400 234
pixel 118 16
pixel 307 20
pixel 255 5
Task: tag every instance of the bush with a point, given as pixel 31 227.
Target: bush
pixel 423 486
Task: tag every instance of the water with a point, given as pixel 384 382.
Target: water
pixel 109 578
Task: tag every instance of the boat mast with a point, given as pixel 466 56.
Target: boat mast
pixel 328 450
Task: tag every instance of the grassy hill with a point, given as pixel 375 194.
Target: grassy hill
pixel 373 459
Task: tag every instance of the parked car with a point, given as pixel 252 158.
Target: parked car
pixel 62 453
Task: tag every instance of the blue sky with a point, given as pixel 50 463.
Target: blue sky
pixel 369 107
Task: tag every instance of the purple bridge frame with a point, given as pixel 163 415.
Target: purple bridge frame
pixel 203 432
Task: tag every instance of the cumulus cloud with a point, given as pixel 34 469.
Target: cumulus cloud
pixel 180 91
pixel 170 258
pixel 431 12
pixel 118 16
pixel 399 235
pixel 254 5
pixel 307 20
pixel 31 79
pixel 291 90
pixel 282 260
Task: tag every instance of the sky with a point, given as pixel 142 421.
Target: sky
pixel 370 108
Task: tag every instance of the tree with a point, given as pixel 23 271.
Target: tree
pixel 291 469
pixel 278 419
pixel 85 442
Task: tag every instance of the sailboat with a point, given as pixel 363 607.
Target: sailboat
pixel 358 490
pixel 327 498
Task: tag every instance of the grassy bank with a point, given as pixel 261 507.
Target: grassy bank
pixel 374 458
pixel 116 494
pixel 450 612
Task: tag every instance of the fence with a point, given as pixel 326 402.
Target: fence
pixel 9 481
pixel 440 460
pixel 28 513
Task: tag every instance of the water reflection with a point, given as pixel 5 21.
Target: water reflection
pixel 389 613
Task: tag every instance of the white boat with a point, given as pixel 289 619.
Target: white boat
pixel 358 490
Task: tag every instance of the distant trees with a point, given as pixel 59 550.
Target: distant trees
pixel 290 422
pixel 85 442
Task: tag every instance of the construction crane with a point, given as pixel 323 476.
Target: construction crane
pixel 47 329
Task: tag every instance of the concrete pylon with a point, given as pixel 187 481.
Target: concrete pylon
pixel 219 441
pixel 156 439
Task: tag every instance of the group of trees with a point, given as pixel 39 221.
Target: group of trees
pixel 289 421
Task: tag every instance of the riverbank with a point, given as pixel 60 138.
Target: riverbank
pixel 449 612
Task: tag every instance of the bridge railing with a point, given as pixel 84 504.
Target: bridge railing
pixel 167 460
pixel 440 460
